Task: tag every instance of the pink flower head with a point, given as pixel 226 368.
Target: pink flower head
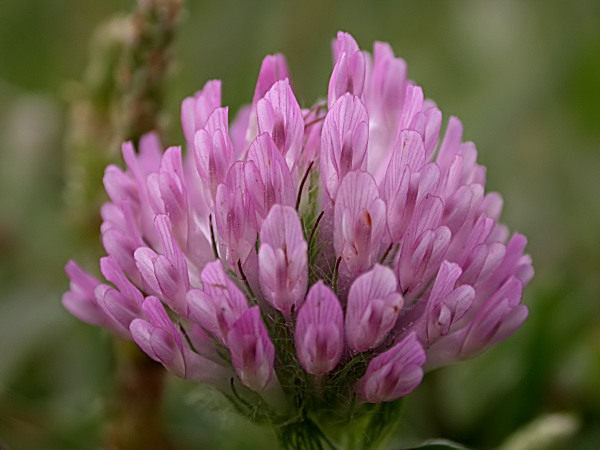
pixel 331 253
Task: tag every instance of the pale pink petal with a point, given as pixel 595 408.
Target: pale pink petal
pixel 319 333
pixel 213 150
pixel 219 304
pixel 235 218
pixel 196 110
pixel 343 142
pixel 268 178
pixel 394 373
pixel 283 259
pixel 279 115
pixel 373 307
pixel 252 352
pixel 80 299
pixel 359 222
pixel 120 310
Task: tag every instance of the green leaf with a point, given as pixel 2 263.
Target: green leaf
pixel 384 420
pixel 434 444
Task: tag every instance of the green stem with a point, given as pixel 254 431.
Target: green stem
pixel 304 435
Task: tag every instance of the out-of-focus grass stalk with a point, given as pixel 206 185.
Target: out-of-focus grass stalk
pixel 120 99
pixel 93 133
pixel 144 65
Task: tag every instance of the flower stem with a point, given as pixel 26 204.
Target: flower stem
pixel 135 404
pixel 305 435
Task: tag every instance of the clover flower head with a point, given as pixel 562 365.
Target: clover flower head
pixel 313 258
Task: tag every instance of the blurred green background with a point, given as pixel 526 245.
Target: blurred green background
pixel 523 76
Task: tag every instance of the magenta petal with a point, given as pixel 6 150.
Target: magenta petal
pixel 167 192
pixel 319 334
pixel 447 302
pixel 406 165
pixel 343 142
pixel 80 300
pixel 119 185
pixel 120 247
pixel 344 43
pixel 350 69
pixel 512 261
pixel 219 304
pixel 113 273
pixel 373 307
pixel 387 88
pixel 421 262
pixel 272 69
pixel 141 332
pixel 359 222
pixel 159 345
pixel 428 124
pixel 348 76
pixel 166 274
pixel 394 373
pixel 119 309
pixel 388 111
pixel 499 317
pixel 279 115
pixel 413 105
pixel 235 217
pixel 450 145
pixel 213 150
pixel 170 249
pixel 408 152
pixel 165 340
pixel 196 110
pixel 252 352
pixel 268 177
pixel 158 337
pixel 145 259
pixel 283 259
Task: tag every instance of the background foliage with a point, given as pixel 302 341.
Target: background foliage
pixel 523 76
